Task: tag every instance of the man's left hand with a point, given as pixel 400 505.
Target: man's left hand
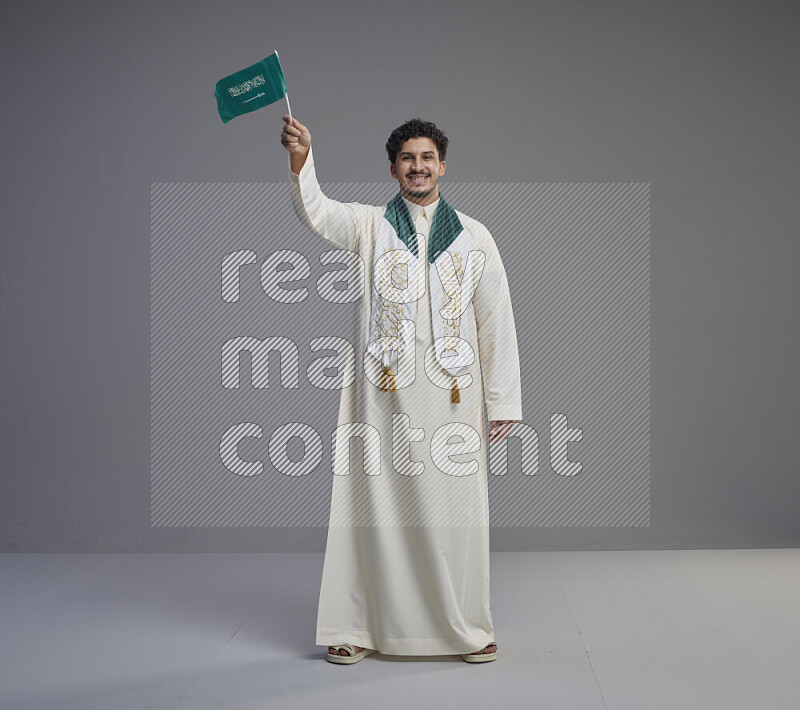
pixel 499 428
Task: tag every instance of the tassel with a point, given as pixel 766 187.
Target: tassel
pixel 455 396
pixel 388 383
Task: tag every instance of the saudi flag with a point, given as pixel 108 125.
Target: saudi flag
pixel 252 88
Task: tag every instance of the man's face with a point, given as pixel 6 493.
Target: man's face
pixel 417 169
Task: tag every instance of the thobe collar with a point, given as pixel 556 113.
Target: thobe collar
pixel 427 211
pixel 444 224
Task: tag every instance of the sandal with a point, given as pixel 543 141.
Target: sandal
pixel 478 657
pixel 352 658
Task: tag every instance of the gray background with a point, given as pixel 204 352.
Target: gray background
pixel 103 99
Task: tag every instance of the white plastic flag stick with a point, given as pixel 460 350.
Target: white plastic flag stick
pixel 288 105
pixel 290 108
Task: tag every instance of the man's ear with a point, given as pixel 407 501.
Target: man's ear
pixel 392 170
pixel 441 168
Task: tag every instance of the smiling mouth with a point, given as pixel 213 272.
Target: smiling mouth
pixel 419 179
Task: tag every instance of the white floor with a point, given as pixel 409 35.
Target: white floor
pixel 622 630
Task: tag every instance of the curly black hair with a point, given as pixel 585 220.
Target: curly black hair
pixel 416 128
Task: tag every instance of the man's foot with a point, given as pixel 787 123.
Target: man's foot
pixel 347 653
pixel 339 651
pixel 488 653
pixel 491 648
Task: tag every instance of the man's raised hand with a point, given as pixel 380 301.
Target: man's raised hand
pixel 295 136
pixel 297 140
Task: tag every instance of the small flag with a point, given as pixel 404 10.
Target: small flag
pixel 250 89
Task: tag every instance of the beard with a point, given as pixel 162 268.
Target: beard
pixel 412 190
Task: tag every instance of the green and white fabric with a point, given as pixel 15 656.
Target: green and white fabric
pixel 398 285
pixel 250 88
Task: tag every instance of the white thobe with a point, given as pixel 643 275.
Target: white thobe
pixel 406 567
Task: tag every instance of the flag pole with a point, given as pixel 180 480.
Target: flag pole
pixel 288 105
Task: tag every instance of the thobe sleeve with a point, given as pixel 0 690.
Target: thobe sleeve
pixel 337 222
pixel 497 339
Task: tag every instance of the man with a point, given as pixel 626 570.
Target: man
pixel 407 559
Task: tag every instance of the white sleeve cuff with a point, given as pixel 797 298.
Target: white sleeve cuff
pixel 498 412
